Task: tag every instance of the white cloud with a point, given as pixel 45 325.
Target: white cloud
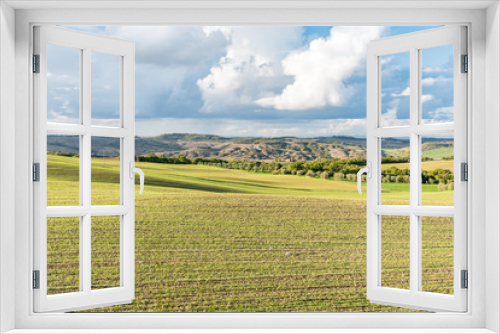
pixel 426 97
pixel 251 66
pixel 386 59
pixel 431 81
pixel 436 70
pixel 390 117
pixel 405 92
pixel 225 30
pixel 319 70
pixel 171 45
pixel 440 115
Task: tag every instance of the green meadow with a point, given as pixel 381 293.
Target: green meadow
pixel 210 239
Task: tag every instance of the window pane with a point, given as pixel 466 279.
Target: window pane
pixel 63 255
pixel 106 89
pixel 63 84
pixel 437 170
pixel 437 254
pixel 105 171
pixel 395 88
pixel 395 171
pixel 437 84
pixel 395 244
pixel 105 252
pixel 63 170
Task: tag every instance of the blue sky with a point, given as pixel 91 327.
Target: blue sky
pixel 251 81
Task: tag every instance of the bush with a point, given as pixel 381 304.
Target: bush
pixel 311 173
pixel 451 186
pixel 442 186
pixel 351 177
pixel 339 176
pixel 325 175
pixel 300 172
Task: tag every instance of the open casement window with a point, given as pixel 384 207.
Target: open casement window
pixel 398 271
pixel 91 77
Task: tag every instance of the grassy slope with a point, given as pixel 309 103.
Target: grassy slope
pixel 218 180
pixel 439 152
pixel 209 239
pixel 426 165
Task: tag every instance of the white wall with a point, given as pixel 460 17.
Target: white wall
pixel 7 159
pixel 480 122
pixel 492 164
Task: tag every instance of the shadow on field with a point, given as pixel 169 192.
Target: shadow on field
pixel 160 182
pixel 256 185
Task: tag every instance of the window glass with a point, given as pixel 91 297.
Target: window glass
pixel 395 251
pixel 395 90
pixel 438 179
pixel 63 170
pixel 106 251
pixel 63 255
pixel 437 94
pixel 106 89
pixel 105 171
pixel 63 84
pixel 395 171
pixel 437 254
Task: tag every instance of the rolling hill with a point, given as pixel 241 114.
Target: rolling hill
pixel 251 149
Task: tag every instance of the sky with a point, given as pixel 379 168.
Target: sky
pixel 250 81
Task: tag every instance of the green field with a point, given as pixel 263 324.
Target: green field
pixel 215 240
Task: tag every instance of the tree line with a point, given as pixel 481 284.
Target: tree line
pixel 336 168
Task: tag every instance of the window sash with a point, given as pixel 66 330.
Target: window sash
pixel 414 297
pixel 86 297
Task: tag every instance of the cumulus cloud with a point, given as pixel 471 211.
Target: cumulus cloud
pixel 172 46
pixel 320 70
pixel 243 81
pixel 389 118
pixel 437 70
pixel 386 59
pixel 439 115
pixel 426 98
pixel 250 67
pixel 431 81
pixel 405 92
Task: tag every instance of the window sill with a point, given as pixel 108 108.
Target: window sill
pixel 250 331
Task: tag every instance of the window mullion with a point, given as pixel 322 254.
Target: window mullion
pixel 85 179
pixel 414 171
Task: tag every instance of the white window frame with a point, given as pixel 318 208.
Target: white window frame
pixel 483 314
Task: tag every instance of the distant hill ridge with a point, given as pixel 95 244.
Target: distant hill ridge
pixel 236 148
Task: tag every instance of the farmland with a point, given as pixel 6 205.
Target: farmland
pixel 215 240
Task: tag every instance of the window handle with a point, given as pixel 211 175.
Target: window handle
pixel 134 170
pixel 368 171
